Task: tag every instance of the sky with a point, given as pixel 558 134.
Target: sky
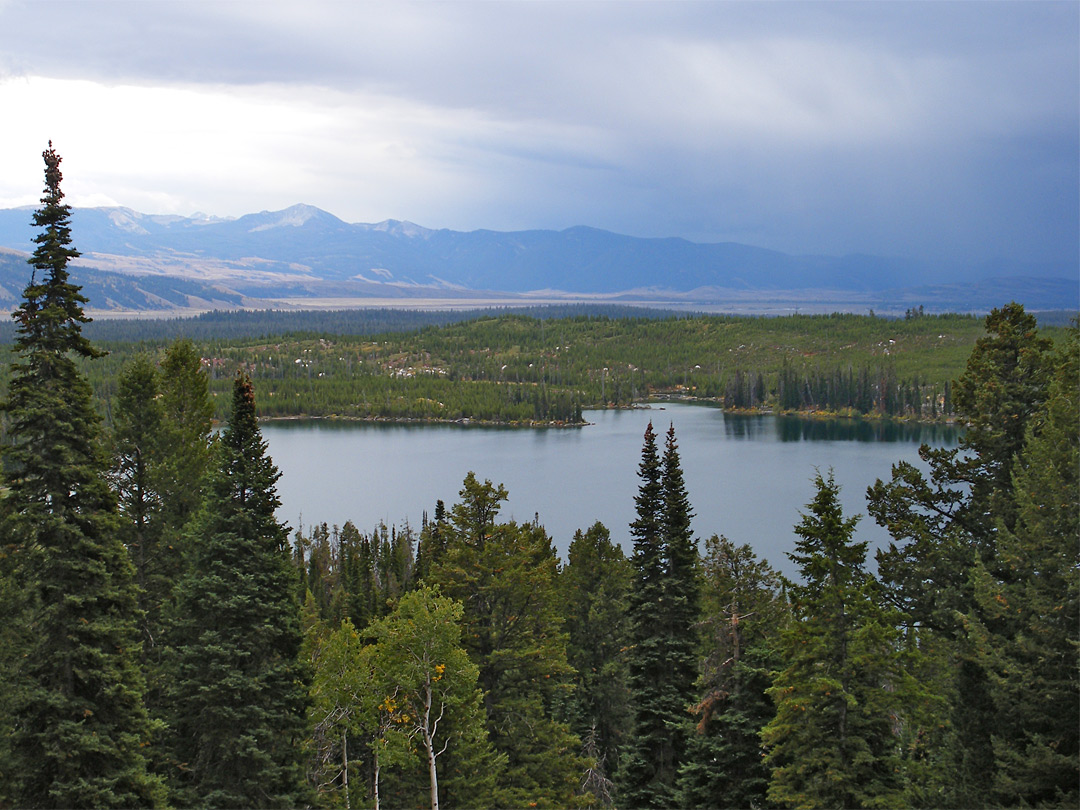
pixel 934 130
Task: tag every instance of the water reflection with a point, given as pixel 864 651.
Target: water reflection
pixel 747 426
pixel 801 429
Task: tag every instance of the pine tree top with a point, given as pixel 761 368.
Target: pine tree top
pixel 51 315
pixel 646 528
pixel 829 558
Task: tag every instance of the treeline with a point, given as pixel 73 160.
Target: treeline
pixel 516 369
pixel 838 364
pixel 866 391
pixel 423 398
pixel 265 324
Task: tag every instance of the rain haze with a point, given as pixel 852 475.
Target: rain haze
pixel 925 130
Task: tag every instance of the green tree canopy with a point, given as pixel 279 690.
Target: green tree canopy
pixel 595 586
pixel 343 704
pixel 237 691
pixel 136 439
pixel 946 527
pixel 663 614
pixel 504 574
pixel 431 684
pixel 832 743
pixel 743 612
pixel 187 411
pixel 77 721
pixel 1026 629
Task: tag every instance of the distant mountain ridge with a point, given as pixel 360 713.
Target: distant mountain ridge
pixel 305 251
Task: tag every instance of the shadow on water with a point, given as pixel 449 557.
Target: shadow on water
pixel 800 429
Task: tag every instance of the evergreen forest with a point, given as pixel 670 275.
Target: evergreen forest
pixel 546 365
pixel 168 642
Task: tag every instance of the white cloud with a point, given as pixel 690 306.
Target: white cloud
pixel 711 120
pixel 230 150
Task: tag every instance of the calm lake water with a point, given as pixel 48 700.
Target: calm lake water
pixel 748 476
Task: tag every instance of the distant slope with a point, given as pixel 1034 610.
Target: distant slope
pixel 115 291
pixel 304 252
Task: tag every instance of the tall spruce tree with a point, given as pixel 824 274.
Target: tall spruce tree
pixel 185 446
pixel 1003 385
pixel 844 691
pixel 1026 629
pixel 682 601
pixel 595 587
pixel 78 724
pixel 947 524
pixel 136 437
pixel 237 693
pixel 642 780
pixel 663 612
pixel 161 449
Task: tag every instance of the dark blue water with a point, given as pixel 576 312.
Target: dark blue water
pixel 748 476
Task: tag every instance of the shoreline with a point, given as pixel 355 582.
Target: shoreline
pixel 656 404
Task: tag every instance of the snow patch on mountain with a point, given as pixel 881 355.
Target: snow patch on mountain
pixel 295 216
pixel 126 220
pixel 202 218
pixel 397 227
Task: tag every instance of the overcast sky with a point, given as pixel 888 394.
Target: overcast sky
pixel 921 129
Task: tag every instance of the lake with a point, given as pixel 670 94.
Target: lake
pixel 748 476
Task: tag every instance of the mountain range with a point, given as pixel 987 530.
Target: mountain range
pixel 304 256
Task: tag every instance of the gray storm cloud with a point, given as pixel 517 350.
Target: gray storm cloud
pixel 924 129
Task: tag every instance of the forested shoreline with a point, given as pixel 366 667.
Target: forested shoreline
pixel 532 370
pixel 167 643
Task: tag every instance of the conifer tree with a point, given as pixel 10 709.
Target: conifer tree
pixel 642 783
pixel 682 602
pixel 663 612
pixel 1002 387
pixel 943 521
pixel 185 445
pixel 595 586
pixel 161 447
pixel 946 527
pixel 743 611
pixel 137 433
pixel 432 544
pixel 237 694
pixel 358 572
pixel 78 723
pixel 832 743
pixel 1026 630
pixel 136 466
pixel 504 574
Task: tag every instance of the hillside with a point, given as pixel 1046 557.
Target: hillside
pixel 300 254
pixel 118 291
